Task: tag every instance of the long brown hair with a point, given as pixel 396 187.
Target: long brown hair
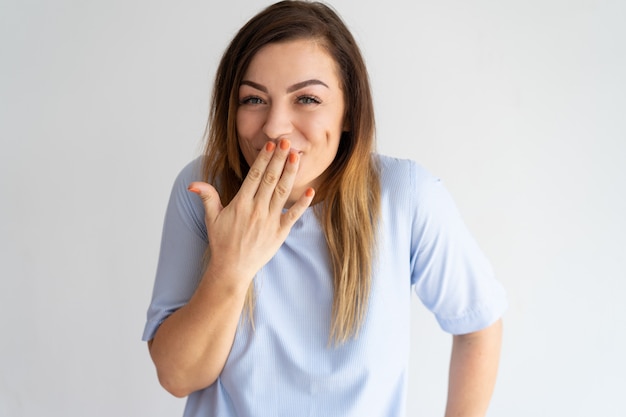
pixel 350 195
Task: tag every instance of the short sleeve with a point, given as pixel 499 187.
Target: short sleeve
pixel 183 243
pixel 449 273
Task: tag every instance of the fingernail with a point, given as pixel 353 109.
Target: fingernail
pixel 309 192
pixel 293 158
pixel 269 146
pixel 284 144
pixel 193 189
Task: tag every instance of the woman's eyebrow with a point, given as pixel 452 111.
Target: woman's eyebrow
pixel 254 85
pixel 291 89
pixel 306 83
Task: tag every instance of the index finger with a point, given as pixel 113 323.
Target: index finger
pixel 255 174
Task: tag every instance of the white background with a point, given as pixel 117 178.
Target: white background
pixel 518 105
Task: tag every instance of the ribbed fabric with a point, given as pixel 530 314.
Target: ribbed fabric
pixel 286 367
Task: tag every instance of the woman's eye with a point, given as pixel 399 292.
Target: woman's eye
pixel 308 100
pixel 251 100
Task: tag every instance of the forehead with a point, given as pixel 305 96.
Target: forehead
pixel 292 61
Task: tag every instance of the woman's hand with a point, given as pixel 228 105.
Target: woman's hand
pixel 244 235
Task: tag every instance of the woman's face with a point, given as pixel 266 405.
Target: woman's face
pixel 292 90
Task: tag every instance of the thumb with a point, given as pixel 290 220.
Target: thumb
pixel 210 198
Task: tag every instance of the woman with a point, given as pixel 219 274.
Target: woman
pixel 290 248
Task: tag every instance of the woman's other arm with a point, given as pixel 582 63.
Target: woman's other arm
pixel 473 371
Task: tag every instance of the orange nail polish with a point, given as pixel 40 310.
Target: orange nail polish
pixel 269 146
pixel 309 192
pixel 284 144
pixel 193 189
pixel 293 158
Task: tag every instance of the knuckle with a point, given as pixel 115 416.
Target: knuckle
pixel 206 197
pixel 238 206
pixel 255 173
pixel 290 216
pixel 241 207
pixel 256 214
pixel 281 190
pixel 270 178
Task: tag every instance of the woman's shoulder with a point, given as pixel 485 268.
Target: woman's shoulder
pixel 180 196
pixel 403 174
pixel 192 171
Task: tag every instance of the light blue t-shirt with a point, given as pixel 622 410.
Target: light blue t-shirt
pixel 285 366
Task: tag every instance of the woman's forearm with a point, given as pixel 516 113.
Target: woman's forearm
pixel 191 346
pixel 473 370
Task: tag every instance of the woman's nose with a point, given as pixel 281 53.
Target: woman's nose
pixel 278 123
